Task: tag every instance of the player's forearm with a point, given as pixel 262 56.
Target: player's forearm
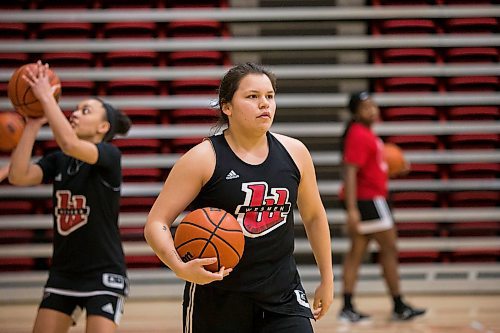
pixel 63 132
pixel 318 233
pixel 21 156
pixel 159 238
pixel 350 184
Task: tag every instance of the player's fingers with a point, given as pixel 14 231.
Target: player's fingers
pixel 205 261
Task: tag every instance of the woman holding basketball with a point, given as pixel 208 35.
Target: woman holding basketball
pixel 368 215
pixel 259 177
pixel 88 267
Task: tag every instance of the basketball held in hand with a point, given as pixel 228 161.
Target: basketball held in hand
pixel 395 159
pixel 210 233
pixel 21 95
pixel 11 128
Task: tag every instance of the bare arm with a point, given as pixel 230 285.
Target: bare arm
pixel 64 134
pixel 351 201
pixel 22 172
pixel 315 221
pixel 182 186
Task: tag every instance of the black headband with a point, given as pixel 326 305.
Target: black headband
pixel 111 114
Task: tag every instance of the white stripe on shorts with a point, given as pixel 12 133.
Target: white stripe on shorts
pixel 189 311
pixel 385 222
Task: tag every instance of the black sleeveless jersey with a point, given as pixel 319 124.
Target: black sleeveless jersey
pixel 87 249
pixel 262 198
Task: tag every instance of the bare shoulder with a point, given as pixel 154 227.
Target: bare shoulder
pixel 201 152
pixel 299 152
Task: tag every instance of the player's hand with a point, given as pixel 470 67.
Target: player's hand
pixel 39 81
pixel 323 299
pixel 353 220
pixel 35 122
pixel 194 271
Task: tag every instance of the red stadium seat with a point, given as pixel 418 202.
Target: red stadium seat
pixel 474 199
pixel 486 255
pixel 471 25
pixel 197 58
pixel 471 55
pixel 137 58
pixel 130 30
pixel 143 116
pixel 185 116
pixel 69 59
pixel 194 87
pixel 472 141
pixel 136 262
pixel 472 83
pixel 474 170
pixel 13 60
pixel 16 236
pixel 407 84
pixel 138 146
pixel 16 264
pixel 63 4
pixel 403 2
pixel 133 87
pixel 408 55
pixel 424 171
pixel 410 113
pixel 182 145
pixel 404 26
pixel 16 206
pixel 78 88
pixel 417 229
pixel 196 29
pixel 136 204
pixel 142 175
pixel 129 3
pixel 473 229
pixel 473 113
pixel 197 3
pixel 416 199
pixel 424 256
pixel 65 30
pixel 13 31
pixel 415 142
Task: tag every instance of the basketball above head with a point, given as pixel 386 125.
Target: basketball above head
pixel 210 233
pixel 21 96
pixel 11 128
pixel 394 158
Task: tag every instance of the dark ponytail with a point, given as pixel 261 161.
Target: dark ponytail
pixel 119 122
pixel 354 101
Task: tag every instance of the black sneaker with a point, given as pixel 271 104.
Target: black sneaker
pixel 407 313
pixel 352 316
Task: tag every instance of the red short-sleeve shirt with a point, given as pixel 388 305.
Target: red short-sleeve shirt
pixel 365 150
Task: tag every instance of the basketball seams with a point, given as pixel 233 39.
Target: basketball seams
pixel 195 234
pixel 209 240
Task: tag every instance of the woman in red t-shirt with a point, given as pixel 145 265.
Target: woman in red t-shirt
pixel 368 215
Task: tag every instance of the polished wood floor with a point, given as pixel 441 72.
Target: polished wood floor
pixel 446 314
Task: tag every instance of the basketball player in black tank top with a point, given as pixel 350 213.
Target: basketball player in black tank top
pixel 88 265
pixel 245 171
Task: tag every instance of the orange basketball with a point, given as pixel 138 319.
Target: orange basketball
pixel 22 97
pixel 394 158
pixel 210 232
pixel 11 128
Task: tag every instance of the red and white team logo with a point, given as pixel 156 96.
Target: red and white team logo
pixel 71 212
pixel 261 212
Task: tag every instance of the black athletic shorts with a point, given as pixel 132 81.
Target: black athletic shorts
pixel 376 216
pixel 104 305
pixel 209 310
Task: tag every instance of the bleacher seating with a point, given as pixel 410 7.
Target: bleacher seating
pixel 412 78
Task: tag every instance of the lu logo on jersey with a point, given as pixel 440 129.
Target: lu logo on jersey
pixel 71 212
pixel 261 212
